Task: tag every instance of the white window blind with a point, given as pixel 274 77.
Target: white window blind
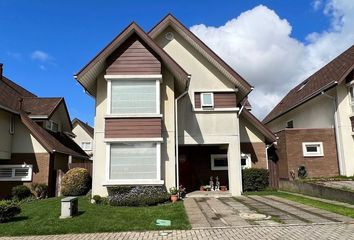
pixel 207 99
pixel 133 96
pixel 133 161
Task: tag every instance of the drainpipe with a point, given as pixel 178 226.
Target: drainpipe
pixel 336 130
pixel 176 131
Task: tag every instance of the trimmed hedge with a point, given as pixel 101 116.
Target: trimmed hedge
pixel 137 195
pixel 255 179
pixel 76 182
pixel 20 192
pixel 8 209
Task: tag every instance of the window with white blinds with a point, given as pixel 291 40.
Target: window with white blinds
pixel 15 172
pixel 138 161
pixel 133 96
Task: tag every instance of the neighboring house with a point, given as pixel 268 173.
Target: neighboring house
pixel 315 122
pixel 162 96
pixel 83 136
pixel 35 146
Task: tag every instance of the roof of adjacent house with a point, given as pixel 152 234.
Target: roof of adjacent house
pixel 267 133
pixel 16 99
pixel 209 54
pixel 85 126
pixel 335 72
pixel 87 75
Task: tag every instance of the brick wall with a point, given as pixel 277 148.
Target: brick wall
pixel 40 162
pixel 290 152
pixel 258 153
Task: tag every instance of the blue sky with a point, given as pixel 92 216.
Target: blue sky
pixel 43 43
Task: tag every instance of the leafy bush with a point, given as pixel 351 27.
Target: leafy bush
pixel 76 182
pixel 255 179
pixel 40 190
pixel 8 209
pixel 100 200
pixel 137 195
pixel 20 192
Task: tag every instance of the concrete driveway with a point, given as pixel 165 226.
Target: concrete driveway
pixel 247 211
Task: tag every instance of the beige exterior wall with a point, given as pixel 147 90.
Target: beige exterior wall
pixel 6 137
pixel 60 117
pixel 346 139
pixel 204 127
pixel 82 136
pixel 23 141
pixel 316 113
pixel 249 133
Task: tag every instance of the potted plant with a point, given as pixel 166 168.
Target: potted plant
pixel 223 188
pixel 173 192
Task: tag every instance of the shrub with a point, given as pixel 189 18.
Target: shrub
pixel 20 192
pixel 40 190
pixel 255 179
pixel 137 195
pixel 76 182
pixel 100 200
pixel 8 209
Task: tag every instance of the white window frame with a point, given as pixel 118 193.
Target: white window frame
pixel 51 122
pixel 86 142
pixel 156 181
pixel 218 168
pixel 18 179
pixel 204 105
pixel 248 160
pixel 291 120
pixel 351 101
pixel 110 78
pixel 319 152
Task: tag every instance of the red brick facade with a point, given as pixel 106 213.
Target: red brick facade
pixel 258 153
pixel 290 152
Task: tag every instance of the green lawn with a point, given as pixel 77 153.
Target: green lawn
pixel 349 212
pixel 42 217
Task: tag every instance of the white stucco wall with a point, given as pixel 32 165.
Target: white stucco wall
pixel 6 137
pixel 249 133
pixel 345 130
pixel 204 127
pixel 316 113
pixel 23 141
pixel 82 136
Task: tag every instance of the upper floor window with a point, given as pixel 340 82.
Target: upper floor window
pixel 87 146
pixel 133 96
pixel 207 100
pixel 52 126
pixel 351 92
pixel 290 124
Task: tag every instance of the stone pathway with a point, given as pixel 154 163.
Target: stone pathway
pixel 228 212
pixel 338 231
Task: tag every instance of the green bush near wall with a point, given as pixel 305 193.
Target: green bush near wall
pixel 255 179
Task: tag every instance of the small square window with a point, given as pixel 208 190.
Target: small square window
pixel 207 100
pixel 246 161
pixel 87 146
pixel 219 162
pixel 290 124
pixel 312 149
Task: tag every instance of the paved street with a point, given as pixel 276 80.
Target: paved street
pixel 336 231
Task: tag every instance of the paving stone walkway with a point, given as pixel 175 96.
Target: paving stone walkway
pixel 338 231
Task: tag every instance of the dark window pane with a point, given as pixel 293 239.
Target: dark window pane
pixel 243 161
pixel 220 162
pixel 311 148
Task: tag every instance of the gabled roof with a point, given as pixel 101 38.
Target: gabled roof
pixel 335 72
pixel 268 135
pixel 19 101
pixel 88 74
pixel 52 142
pixel 211 56
pixel 85 126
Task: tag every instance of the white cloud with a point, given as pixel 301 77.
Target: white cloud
pixel 41 56
pixel 258 45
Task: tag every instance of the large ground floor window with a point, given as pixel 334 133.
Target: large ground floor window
pixel 16 172
pixel 134 161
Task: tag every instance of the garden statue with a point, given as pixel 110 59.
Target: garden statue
pixel 211 183
pixel 217 184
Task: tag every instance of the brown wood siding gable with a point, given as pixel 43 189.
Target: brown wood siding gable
pixel 133 59
pixel 133 128
pixel 221 100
